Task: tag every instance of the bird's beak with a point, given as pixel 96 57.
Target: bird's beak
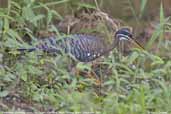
pixel 138 45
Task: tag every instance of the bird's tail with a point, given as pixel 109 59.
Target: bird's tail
pixel 20 50
pixel 26 49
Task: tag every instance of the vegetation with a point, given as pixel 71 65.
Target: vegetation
pixel 138 83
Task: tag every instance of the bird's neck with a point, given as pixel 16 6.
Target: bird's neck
pixel 113 45
pixel 110 47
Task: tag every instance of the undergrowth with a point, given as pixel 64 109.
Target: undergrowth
pixel 135 84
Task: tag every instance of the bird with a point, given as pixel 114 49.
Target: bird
pixel 82 47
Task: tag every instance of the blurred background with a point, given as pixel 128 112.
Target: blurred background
pixel 131 82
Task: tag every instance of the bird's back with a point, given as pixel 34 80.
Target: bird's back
pixel 84 48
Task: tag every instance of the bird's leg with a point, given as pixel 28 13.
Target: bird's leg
pixel 94 74
pixel 121 49
pixel 72 68
pixel 77 72
pixel 87 73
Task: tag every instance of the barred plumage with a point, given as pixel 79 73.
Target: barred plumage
pixel 84 48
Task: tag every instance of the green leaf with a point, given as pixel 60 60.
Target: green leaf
pixel 84 5
pixel 157 60
pixel 6 25
pixel 161 13
pixel 2 14
pixel 15 4
pixel 52 3
pixel 29 15
pixel 36 18
pixel 13 34
pixel 57 14
pixel 158 33
pixel 4 93
pixel 142 8
pixel 82 66
pixel 23 75
pixel 133 57
pixel 124 68
pixel 153 38
pixel 12 43
pixel 49 17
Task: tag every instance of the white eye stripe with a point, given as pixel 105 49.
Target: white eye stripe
pixel 122 37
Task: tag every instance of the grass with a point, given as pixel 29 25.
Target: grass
pixel 136 84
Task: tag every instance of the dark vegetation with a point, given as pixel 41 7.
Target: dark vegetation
pixel 127 81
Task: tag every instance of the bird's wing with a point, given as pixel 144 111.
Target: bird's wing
pixel 86 48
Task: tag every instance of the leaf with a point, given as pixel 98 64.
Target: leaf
pixel 6 25
pixel 51 3
pixel 14 35
pixel 153 38
pixel 143 5
pixel 57 14
pixel 49 17
pixel 157 61
pixel 82 66
pixel 161 13
pixel 36 18
pixel 124 68
pixel 23 75
pixel 133 57
pixel 12 43
pixel 2 14
pixel 4 93
pixel 27 13
pixel 84 5
pixel 15 4
pixel 158 33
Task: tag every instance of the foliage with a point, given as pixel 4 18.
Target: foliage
pixel 136 84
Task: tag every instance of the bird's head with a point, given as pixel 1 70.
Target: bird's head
pixel 123 34
pixel 126 34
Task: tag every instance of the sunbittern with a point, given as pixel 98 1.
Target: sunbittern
pixel 84 48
